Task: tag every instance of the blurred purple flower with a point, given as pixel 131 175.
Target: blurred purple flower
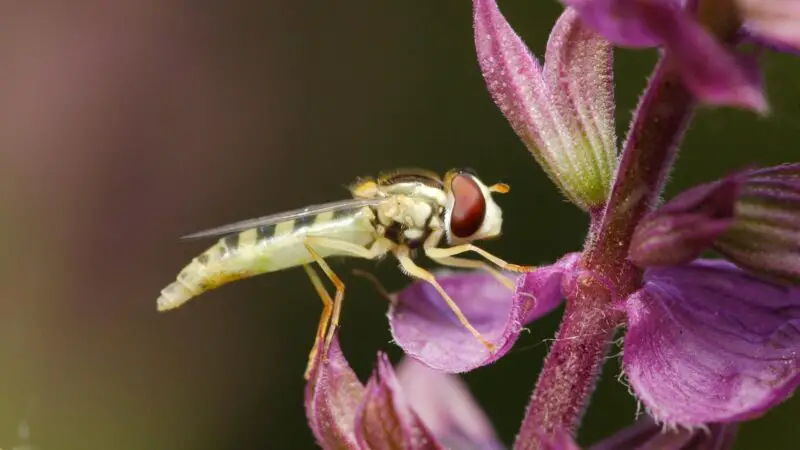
pixel 713 71
pixel 563 111
pixel 774 23
pixel 427 330
pixel 419 409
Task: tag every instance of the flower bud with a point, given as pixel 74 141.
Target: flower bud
pixel 683 228
pixel 765 237
pixel 563 111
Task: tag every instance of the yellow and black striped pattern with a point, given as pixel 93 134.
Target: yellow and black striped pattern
pixel 266 248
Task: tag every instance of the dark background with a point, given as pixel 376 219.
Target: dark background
pixel 124 126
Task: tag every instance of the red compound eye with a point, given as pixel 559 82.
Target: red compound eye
pixel 469 208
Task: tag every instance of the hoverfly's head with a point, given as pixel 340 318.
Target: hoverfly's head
pixel 471 213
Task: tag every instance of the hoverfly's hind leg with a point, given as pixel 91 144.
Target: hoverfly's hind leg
pixel 418 272
pixel 438 253
pixel 336 306
pixel 451 261
pixel 327 308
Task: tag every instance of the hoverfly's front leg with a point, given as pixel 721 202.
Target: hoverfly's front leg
pixel 327 307
pixel 439 253
pixel 418 272
pixel 451 261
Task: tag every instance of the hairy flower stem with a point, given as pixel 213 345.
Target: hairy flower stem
pixel 571 368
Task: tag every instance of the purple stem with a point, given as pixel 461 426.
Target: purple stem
pixel 570 370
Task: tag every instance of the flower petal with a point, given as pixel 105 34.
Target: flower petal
pixel 713 72
pixel 765 237
pixel 579 69
pixel 623 22
pixel 427 330
pixel 385 420
pixel 709 343
pixel 540 291
pixel 646 433
pixel 552 134
pixel 747 34
pixel 332 395
pixel 773 21
pixel 679 231
pixel 445 405
pixel 423 325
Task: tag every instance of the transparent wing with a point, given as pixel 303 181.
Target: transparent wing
pixel 284 216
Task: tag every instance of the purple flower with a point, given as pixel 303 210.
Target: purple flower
pixel 417 409
pixel 706 342
pixel 563 111
pixel 711 69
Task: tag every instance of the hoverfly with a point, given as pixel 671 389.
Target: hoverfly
pixel 396 213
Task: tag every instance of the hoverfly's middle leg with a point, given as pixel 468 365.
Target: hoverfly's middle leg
pixel 377 249
pixel 438 254
pixel 418 272
pixel 337 298
pixel 323 320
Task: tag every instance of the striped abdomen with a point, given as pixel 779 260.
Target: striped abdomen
pixel 267 248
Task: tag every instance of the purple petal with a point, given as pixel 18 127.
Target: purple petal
pixel 332 395
pixel 385 419
pixel 750 35
pixel 679 231
pixel 670 240
pixel 623 22
pixel 539 292
pixel 774 21
pixel 445 405
pixel 713 72
pixel 423 325
pixel 647 434
pixel 579 69
pixel 427 330
pixel 709 343
pixel 540 116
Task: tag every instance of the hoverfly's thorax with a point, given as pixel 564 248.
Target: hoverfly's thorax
pixel 408 220
pixel 409 182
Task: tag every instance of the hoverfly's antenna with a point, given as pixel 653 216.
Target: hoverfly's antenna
pixel 500 188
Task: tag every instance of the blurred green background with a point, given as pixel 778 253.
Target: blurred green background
pixel 124 125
